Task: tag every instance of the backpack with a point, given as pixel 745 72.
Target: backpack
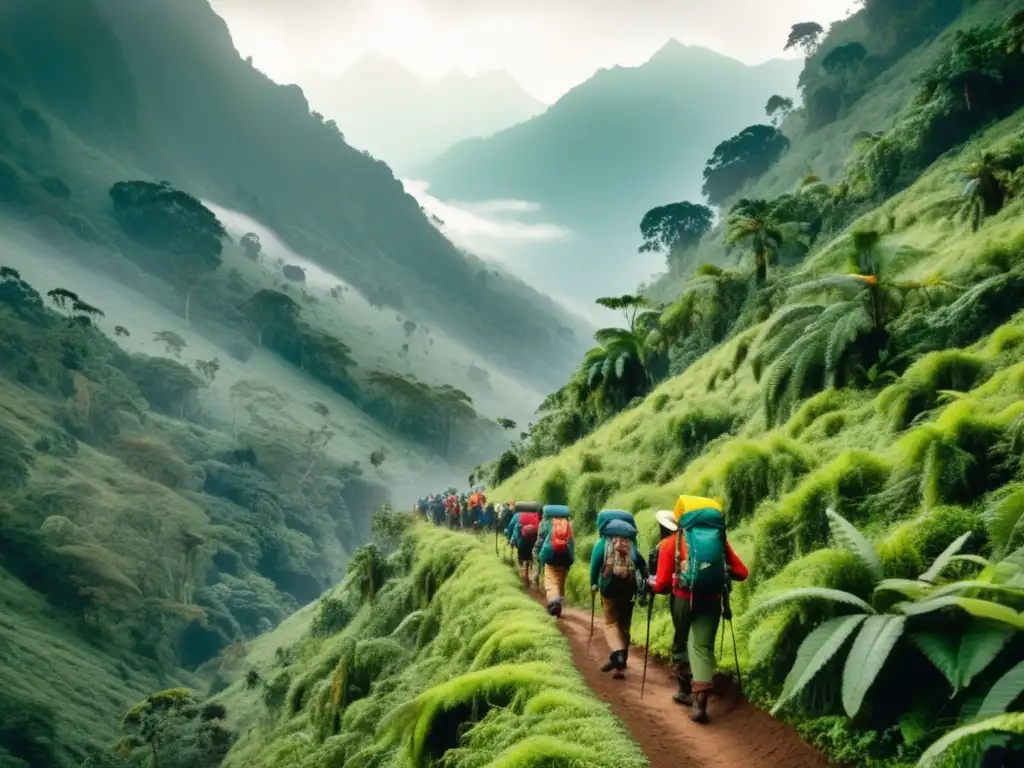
pixel 561 535
pixel 529 523
pixel 619 561
pixel 704 570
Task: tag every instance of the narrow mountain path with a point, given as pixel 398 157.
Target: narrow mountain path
pixel 739 735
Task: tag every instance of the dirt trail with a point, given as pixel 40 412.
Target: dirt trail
pixel 738 736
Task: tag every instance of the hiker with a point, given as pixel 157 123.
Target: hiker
pixel 695 564
pixel 437 510
pixel 556 551
pixel 525 527
pixel 618 571
pixel 488 517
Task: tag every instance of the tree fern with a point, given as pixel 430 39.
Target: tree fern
pixel 868 655
pixel 817 649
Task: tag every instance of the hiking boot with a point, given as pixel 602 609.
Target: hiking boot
pixel 612 663
pixel 699 713
pixel 620 663
pixel 685 695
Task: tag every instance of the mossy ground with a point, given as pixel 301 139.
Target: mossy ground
pixel 450 664
pixel 914 464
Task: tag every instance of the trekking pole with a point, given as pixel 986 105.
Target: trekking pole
pixel 593 606
pixel 647 645
pixel 727 616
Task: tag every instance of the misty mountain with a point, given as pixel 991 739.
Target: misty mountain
pixel 406 120
pixel 623 141
pixel 120 89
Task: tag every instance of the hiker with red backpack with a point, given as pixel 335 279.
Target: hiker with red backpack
pixel 695 565
pixel 617 571
pixel 556 551
pixel 522 532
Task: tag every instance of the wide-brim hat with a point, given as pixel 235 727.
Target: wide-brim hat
pixel 666 519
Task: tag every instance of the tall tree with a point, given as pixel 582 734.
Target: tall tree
pixel 268 308
pixel 741 159
pixel 252 246
pixel 753 222
pixel 844 57
pixel 673 228
pixel 777 108
pixel 805 35
pixel 159 216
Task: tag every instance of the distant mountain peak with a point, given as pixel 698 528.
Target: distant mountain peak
pixel 676 52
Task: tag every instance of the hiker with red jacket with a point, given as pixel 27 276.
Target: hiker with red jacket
pixel 695 564
pixel 556 550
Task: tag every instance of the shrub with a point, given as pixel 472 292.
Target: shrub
pixel 154 461
pixel 555 488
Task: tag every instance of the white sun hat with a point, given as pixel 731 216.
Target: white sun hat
pixel 667 519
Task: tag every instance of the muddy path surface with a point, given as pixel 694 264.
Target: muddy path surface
pixel 739 735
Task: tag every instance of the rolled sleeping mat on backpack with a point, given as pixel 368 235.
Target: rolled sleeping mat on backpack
pixel 607 515
pixel 555 510
pixel 686 504
pixel 529 506
pixel 621 528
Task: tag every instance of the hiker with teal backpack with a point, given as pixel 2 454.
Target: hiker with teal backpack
pixel 695 566
pixel 556 551
pixel 617 571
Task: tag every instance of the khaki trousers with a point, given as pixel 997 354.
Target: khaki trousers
pixel 554 582
pixel 618 616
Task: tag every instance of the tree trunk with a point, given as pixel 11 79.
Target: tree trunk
pixel 967 97
pixel 188 305
pixel 760 267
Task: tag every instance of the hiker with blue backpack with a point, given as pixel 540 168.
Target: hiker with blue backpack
pixel 556 551
pixel 695 566
pixel 617 571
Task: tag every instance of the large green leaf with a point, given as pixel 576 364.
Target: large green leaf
pixel 1007 689
pixel 941 650
pixel 1005 591
pixel 814 593
pixel 907 587
pixel 814 653
pixel 979 609
pixel 848 537
pixel 976 559
pixel 1008 723
pixel 978 648
pixel 867 657
pixel 942 561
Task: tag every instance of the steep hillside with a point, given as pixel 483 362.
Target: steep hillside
pixel 858 413
pixel 609 150
pixel 213 125
pixel 431 653
pixel 623 141
pixel 377 100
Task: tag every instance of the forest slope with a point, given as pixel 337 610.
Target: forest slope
pixel 859 415
pixel 431 654
pixel 134 103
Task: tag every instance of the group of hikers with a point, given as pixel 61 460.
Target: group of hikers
pixel 693 564
pixel 463 511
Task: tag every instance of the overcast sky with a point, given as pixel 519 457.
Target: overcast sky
pixel 547 45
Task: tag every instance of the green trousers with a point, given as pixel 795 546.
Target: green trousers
pixel 694 640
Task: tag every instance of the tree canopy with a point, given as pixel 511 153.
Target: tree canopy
pixel 674 227
pixel 778 107
pixel 740 159
pixel 805 35
pixel 844 57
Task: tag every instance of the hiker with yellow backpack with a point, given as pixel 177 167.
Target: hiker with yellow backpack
pixel 617 571
pixel 556 551
pixel 695 566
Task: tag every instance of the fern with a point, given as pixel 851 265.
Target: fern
pixel 942 652
pixel 870 651
pixel 849 538
pixel 817 649
pixel 1004 693
pixel 815 593
pixel 979 609
pixel 978 648
pixel 944 559
pixel 934 756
